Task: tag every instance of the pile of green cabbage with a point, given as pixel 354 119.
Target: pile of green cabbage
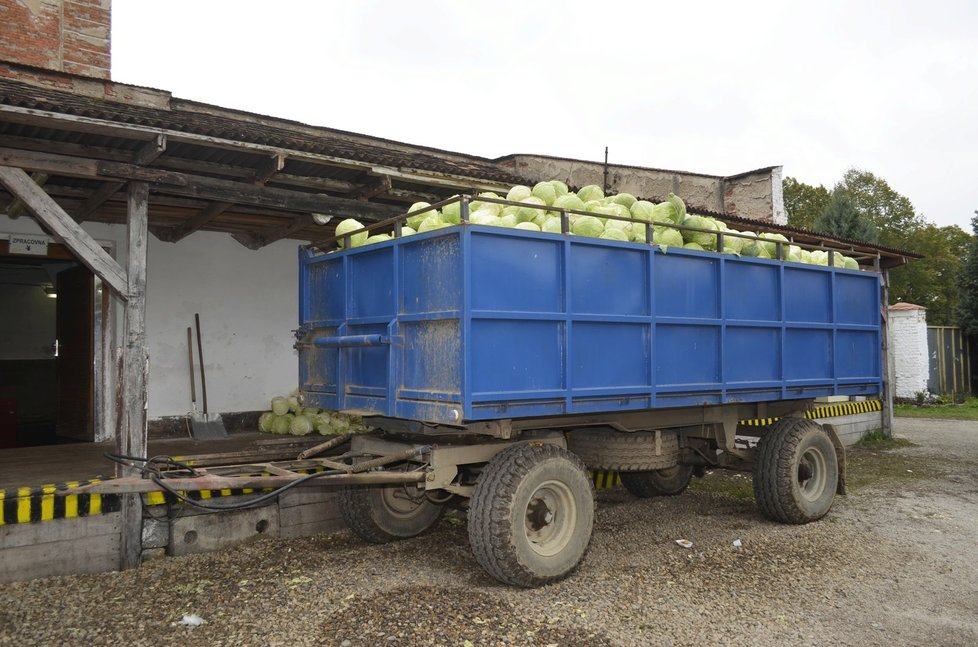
pixel 288 416
pixel 600 222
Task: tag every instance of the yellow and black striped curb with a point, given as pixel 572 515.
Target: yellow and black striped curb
pixel 604 479
pixel 45 503
pixel 826 411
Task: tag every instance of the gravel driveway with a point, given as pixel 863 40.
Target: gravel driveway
pixel 894 563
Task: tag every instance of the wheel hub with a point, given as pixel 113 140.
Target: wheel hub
pixel 551 515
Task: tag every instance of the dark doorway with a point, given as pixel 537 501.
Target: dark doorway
pixel 47 352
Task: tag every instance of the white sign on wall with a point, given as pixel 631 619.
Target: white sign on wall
pixel 34 244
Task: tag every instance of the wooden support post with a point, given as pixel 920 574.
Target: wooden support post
pixel 887 395
pixel 135 368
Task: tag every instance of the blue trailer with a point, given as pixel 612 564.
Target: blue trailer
pixel 513 360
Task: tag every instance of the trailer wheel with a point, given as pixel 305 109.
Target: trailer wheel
pixel 796 472
pixel 670 481
pixel 531 514
pixel 383 514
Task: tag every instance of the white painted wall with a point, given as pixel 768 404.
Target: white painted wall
pixel 248 305
pixel 908 351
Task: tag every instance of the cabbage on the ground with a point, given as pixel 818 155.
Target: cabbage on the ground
pixel 288 416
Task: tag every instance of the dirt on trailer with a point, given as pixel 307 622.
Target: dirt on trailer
pixel 893 563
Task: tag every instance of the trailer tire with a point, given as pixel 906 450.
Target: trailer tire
pixel 531 514
pixel 603 448
pixel 796 472
pixel 381 514
pixel 666 482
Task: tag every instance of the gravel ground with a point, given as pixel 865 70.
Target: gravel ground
pixel 894 563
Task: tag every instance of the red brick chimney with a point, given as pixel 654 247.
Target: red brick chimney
pixel 63 35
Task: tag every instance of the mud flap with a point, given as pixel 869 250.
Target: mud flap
pixel 840 454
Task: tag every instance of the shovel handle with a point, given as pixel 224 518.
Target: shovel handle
pixel 200 356
pixel 190 357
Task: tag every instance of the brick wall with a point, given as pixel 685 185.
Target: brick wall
pixel 63 35
pixel 908 351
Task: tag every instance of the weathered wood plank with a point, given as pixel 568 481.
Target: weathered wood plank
pixel 257 240
pixel 48 212
pixel 50 163
pixel 133 439
pixel 17 207
pixel 59 530
pixel 195 222
pixel 150 151
pixel 94 554
pixel 220 190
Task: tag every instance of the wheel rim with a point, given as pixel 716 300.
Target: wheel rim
pixel 812 475
pixel 398 503
pixel 551 515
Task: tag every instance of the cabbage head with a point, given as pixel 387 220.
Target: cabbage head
pixel 509 220
pixel 450 213
pixel 377 238
pixel 559 188
pixel 484 217
pixel 772 247
pixel 590 192
pixel 552 225
pixel 666 212
pixel 345 227
pixel 569 201
pixel 280 406
pixel 703 239
pixel 416 220
pixel 642 210
pixel 281 424
pixel 527 226
pixel 545 191
pixel 265 421
pixel 476 205
pixel 528 214
pixel 695 246
pixel 850 263
pixel 667 236
pixel 587 226
pixel 678 205
pixel 300 426
pixel 519 193
pixel 407 231
pixel 431 223
pixel 624 199
pixel 732 244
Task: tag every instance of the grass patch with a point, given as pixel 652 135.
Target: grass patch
pixel 876 440
pixel 965 411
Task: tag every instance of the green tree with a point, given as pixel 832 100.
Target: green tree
pixel 841 219
pixel 892 213
pixel 932 282
pixel 803 202
pixel 966 313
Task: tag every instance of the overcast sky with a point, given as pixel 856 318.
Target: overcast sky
pixel 720 88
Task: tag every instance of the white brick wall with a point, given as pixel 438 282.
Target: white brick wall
pixel 908 351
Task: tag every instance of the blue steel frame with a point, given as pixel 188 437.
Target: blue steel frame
pixel 473 323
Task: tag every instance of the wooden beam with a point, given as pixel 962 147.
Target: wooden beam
pixel 49 163
pixel 258 240
pixel 194 223
pixel 97 199
pixel 49 213
pixel 16 208
pixel 135 369
pixel 269 168
pixel 378 186
pixel 150 151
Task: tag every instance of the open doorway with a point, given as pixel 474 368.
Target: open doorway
pixel 48 347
